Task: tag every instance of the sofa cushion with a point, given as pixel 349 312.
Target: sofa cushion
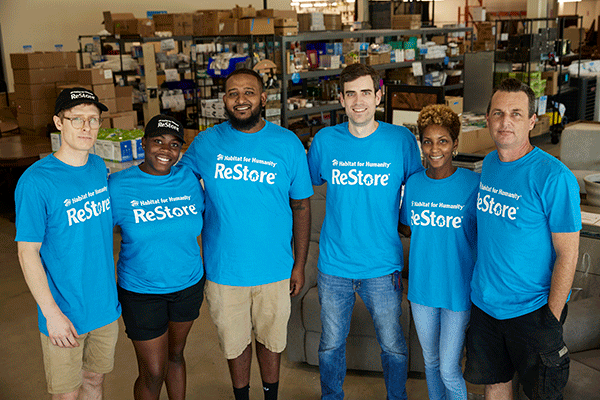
pixel 583 382
pixel 581 330
pixel 588 358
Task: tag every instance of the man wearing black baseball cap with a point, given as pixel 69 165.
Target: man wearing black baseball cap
pixel 64 239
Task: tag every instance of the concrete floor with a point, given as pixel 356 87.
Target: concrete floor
pixel 22 375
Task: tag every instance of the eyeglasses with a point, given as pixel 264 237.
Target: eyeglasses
pixel 79 122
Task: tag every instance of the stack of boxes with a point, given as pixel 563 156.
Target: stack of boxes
pixel 311 22
pixel 485 37
pixel 406 21
pixel 36 76
pixel 273 106
pixel 127 24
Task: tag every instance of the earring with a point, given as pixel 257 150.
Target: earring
pixel 454 153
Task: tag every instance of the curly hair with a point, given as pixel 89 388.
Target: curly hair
pixel 442 115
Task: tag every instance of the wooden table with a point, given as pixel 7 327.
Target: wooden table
pixel 22 151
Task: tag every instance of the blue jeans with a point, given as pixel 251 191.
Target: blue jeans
pixel 442 336
pixel 383 298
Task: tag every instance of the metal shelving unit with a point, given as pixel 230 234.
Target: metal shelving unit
pixel 361 36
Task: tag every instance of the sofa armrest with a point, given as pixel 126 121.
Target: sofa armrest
pixel 581 330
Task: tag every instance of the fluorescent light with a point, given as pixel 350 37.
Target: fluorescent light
pixel 569 1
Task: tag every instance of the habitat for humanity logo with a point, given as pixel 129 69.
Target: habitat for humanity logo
pixel 67 202
pixel 220 157
pixel 335 162
pixel 361 175
pixel 135 203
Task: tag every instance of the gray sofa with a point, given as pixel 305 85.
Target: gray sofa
pixel 304 329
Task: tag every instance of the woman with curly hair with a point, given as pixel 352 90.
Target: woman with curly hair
pixel 438 213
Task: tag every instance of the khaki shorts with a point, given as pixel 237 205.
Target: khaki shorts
pixel 237 311
pixel 96 353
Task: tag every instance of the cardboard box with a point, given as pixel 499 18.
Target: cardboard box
pixel 211 22
pixel 64 59
pixel 483 45
pixel 183 24
pixel 455 103
pixel 311 22
pixel 542 125
pixel 197 23
pixel 256 26
pixel 271 13
pixel 34 107
pixel 111 104
pixel 286 22
pixel 189 135
pixel 475 140
pixel 34 121
pixel 124 120
pixel 120 23
pixel 124 104
pixel 551 82
pixel 35 60
pixel 124 91
pixel 37 76
pixel 243 12
pixel 60 88
pixel 406 21
pixel 228 27
pixel 145 27
pixel 34 91
pixel 94 76
pixel 333 22
pixel 164 22
pixel 106 91
pixel 286 31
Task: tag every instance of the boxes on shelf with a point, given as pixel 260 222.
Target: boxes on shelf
pixel 31 60
pixel 473 139
pixel 36 106
pixel 94 76
pixel 104 91
pixel 271 13
pixel 210 22
pixel 551 78
pixel 286 26
pixel 455 103
pixel 124 98
pixel 145 27
pixel 119 145
pixel 36 76
pixel 123 120
pixel 542 125
pixel 311 22
pixel 120 23
pixel 483 45
pixel 333 22
pixel 35 91
pixel 243 12
pixel 406 21
pixel 485 31
pixel 34 121
pixel 256 26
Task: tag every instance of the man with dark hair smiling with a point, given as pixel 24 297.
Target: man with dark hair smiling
pixel 257 188
pixel 365 163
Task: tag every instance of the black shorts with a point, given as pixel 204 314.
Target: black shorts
pixel 147 316
pixel 531 345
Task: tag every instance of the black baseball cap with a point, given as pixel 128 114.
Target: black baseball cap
pixel 72 97
pixel 164 125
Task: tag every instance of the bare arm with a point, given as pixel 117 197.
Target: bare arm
pixel 301 232
pixel 566 246
pixel 404 230
pixel 61 331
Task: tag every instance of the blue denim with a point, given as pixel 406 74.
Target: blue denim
pixel 442 336
pixel 383 298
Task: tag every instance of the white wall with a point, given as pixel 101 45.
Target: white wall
pixel 44 23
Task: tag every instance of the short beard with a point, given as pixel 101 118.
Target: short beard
pixel 245 124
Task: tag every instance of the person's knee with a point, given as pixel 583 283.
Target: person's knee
pixel 92 378
pixel 176 357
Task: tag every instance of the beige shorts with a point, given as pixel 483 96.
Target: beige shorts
pixel 237 311
pixel 96 353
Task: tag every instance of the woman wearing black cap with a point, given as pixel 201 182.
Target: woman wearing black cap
pixel 160 274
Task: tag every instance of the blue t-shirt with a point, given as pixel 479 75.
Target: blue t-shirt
pixel 519 205
pixel 68 210
pixel 441 214
pixel 249 179
pixel 359 237
pixel 161 218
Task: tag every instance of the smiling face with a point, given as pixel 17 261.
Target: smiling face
pixel 437 146
pixel 360 99
pixel 244 101
pixel 509 122
pixel 161 153
pixel 77 140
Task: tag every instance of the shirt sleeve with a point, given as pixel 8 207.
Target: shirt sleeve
pixel 561 202
pixel 404 206
pixel 301 187
pixel 31 211
pixel 314 162
pixel 189 158
pixel 412 158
